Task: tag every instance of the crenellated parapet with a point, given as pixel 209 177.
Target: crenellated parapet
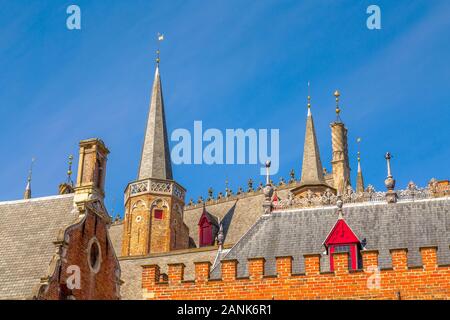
pixel 428 281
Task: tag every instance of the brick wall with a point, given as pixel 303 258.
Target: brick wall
pixel 428 281
pixel 103 284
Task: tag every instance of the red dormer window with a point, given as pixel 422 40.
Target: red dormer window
pixel 205 232
pixel 343 239
pixel 207 228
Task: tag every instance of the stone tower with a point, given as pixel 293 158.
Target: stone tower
pixel 154 203
pixel 339 162
pixel 312 171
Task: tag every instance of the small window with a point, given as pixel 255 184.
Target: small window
pixel 94 255
pixel 158 214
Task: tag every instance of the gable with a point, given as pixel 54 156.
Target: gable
pixel 341 234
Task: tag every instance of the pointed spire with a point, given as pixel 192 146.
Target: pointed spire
pixel 155 158
pixel 359 177
pixel 27 193
pixel 312 170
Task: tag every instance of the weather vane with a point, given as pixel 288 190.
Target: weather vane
pixel 160 38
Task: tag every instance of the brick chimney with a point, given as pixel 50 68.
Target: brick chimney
pixel 91 170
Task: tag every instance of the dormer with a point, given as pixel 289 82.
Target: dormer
pixel 342 239
pixel 208 226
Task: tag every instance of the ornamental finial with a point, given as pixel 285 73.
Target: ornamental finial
pixel 27 194
pixel 69 171
pixel 267 164
pixel 309 100
pixel 358 141
pixel 337 94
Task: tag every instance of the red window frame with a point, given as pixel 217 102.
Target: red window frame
pixel 158 214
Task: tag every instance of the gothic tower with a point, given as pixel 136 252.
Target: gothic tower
pixel 154 203
pixel 339 162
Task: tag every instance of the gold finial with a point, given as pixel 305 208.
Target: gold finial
pixel 358 140
pixel 309 96
pixel 157 56
pixel 337 94
pixel 69 171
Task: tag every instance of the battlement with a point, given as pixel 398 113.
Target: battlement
pixel 429 281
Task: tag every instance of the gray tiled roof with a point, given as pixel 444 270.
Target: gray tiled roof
pixel 27 231
pixel 115 234
pixel 298 232
pixel 237 216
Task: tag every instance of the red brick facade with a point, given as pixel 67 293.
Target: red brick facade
pixel 101 284
pixel 428 281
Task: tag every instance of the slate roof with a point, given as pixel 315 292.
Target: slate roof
pixel 385 226
pixel 27 231
pixel 236 215
pixel 155 158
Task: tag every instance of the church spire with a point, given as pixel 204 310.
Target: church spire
pixel 155 158
pixel 312 171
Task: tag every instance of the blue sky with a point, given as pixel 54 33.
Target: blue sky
pixel 231 64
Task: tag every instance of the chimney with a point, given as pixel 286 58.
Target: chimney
pixel 91 170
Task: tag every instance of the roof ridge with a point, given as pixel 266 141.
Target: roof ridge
pixel 53 197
